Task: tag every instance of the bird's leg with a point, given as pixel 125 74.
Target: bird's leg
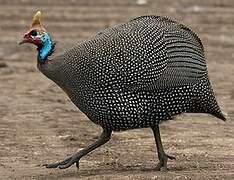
pixel 105 137
pixel 162 156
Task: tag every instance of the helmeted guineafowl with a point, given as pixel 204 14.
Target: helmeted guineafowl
pixel 132 75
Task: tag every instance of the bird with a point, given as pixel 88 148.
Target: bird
pixel 136 74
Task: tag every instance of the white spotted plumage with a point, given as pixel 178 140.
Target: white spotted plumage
pixel 136 74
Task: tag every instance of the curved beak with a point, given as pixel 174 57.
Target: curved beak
pixel 25 39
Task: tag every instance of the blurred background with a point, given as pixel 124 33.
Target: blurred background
pixel 39 124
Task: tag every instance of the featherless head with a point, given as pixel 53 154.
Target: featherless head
pixel 36 31
pixel 38 36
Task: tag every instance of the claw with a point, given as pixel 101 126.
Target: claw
pixel 78 165
pixel 171 157
pixel 64 164
pixel 162 165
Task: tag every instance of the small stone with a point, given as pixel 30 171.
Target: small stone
pixel 141 2
pixel 3 65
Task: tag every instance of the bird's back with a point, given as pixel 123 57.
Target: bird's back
pixel 128 72
pixel 148 52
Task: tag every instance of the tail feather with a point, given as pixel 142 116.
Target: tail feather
pixel 221 115
pixel 206 101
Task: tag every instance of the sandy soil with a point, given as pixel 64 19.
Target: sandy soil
pixel 39 124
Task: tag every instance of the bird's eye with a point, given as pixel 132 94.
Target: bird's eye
pixel 33 33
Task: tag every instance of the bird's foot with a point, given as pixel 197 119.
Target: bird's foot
pixel 162 165
pixel 65 163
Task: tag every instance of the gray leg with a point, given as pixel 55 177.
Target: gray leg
pixel 162 156
pixel 105 137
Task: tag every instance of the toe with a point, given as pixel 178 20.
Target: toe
pixel 65 165
pixel 77 165
pixel 158 167
pixel 68 164
pixel 54 165
pixel 163 169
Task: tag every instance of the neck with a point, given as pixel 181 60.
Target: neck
pixel 46 49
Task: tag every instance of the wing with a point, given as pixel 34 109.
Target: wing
pixel 170 55
pixel 147 53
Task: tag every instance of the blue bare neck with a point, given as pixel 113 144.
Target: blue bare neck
pixel 46 48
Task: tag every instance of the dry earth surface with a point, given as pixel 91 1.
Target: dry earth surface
pixel 39 124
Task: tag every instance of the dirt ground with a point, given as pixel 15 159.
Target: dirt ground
pixel 39 124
